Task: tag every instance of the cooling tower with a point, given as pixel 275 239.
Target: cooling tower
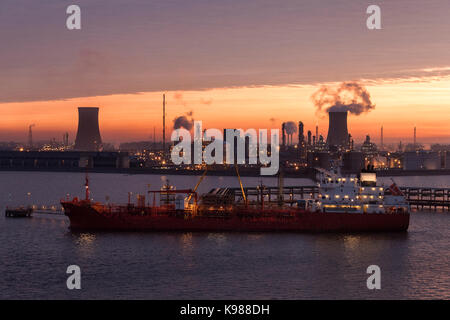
pixel 337 129
pixel 88 134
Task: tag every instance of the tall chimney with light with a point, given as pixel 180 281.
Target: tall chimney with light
pixel 164 123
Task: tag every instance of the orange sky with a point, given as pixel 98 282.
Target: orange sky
pixel 233 63
pixel 400 105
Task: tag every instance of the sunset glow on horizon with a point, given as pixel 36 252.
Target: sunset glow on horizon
pixel 400 105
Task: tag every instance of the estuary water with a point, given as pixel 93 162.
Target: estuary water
pixel 36 252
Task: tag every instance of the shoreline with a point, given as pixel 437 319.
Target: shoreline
pixel 245 172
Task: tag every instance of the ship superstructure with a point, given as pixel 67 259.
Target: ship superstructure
pixel 359 194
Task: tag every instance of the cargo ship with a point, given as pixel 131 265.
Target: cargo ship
pixel 344 204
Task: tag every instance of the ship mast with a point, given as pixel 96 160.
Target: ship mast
pixel 87 186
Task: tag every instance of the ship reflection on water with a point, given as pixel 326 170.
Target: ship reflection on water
pixel 85 243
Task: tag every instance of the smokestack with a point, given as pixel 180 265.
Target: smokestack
pixel 30 136
pixel 337 129
pixel 66 139
pixel 301 137
pixel 415 137
pixel 309 137
pixel 164 122
pixel 88 134
pixel 317 133
pixel 382 139
pixel 283 129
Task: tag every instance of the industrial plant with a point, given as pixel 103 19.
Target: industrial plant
pixel 300 152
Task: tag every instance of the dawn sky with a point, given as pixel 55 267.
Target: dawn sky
pixel 233 63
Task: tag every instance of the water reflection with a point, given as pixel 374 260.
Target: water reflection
pixel 186 242
pixel 85 243
pixel 219 238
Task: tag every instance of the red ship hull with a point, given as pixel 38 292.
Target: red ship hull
pixel 84 216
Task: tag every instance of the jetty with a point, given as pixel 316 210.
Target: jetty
pixel 418 198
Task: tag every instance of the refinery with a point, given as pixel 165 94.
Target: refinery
pixel 300 152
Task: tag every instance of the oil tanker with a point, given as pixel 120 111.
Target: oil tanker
pixel 343 204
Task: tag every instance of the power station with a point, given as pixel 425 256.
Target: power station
pixel 88 134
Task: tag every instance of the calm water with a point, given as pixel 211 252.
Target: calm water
pixel 36 252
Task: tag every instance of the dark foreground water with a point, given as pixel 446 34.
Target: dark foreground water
pixel 36 252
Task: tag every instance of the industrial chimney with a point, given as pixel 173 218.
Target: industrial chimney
pixel 88 134
pixel 337 129
pixel 301 137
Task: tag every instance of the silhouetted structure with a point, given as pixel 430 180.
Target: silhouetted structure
pixel 382 139
pixel 30 136
pixel 337 129
pixel 164 123
pixel 301 137
pixel 88 134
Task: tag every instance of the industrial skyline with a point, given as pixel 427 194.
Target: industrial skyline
pixel 178 103
pixel 229 68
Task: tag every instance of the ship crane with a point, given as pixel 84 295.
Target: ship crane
pixel 194 191
pixel 197 185
pixel 240 184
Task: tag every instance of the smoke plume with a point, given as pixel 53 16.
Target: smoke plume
pixel 349 96
pixel 290 127
pixel 184 121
